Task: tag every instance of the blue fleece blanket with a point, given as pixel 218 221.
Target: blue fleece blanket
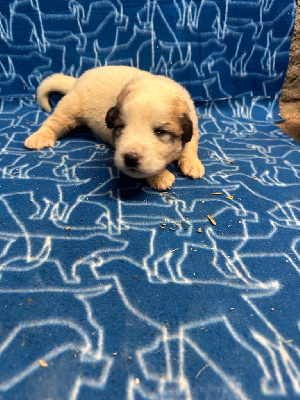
pixel 110 290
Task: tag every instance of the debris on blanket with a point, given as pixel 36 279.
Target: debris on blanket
pixel 170 197
pixel 43 363
pixel 213 221
pixel 202 369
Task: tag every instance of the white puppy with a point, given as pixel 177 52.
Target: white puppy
pixel 151 120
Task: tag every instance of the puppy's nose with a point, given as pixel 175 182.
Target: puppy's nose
pixel 131 160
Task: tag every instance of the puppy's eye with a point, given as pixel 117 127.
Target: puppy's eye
pixel 120 126
pixel 160 132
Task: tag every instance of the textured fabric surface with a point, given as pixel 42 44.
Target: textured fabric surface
pixel 217 49
pixel 110 290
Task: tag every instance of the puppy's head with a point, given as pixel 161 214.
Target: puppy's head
pixel 150 125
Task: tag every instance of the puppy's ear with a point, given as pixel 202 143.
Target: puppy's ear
pixel 187 128
pixel 111 115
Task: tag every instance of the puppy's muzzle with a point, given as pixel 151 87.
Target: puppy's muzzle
pixel 131 160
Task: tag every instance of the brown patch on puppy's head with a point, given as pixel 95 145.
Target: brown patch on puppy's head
pixel 111 116
pixel 181 111
pixel 187 128
pixel 114 121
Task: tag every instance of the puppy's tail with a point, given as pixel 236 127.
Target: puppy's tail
pixel 55 83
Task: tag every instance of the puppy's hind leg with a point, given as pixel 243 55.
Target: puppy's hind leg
pixel 66 116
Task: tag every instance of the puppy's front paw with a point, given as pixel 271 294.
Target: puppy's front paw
pixel 191 167
pixel 39 141
pixel 162 181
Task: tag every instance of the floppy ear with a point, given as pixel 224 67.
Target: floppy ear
pixel 111 115
pixel 187 128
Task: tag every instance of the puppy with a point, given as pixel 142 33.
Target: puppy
pixel 150 120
